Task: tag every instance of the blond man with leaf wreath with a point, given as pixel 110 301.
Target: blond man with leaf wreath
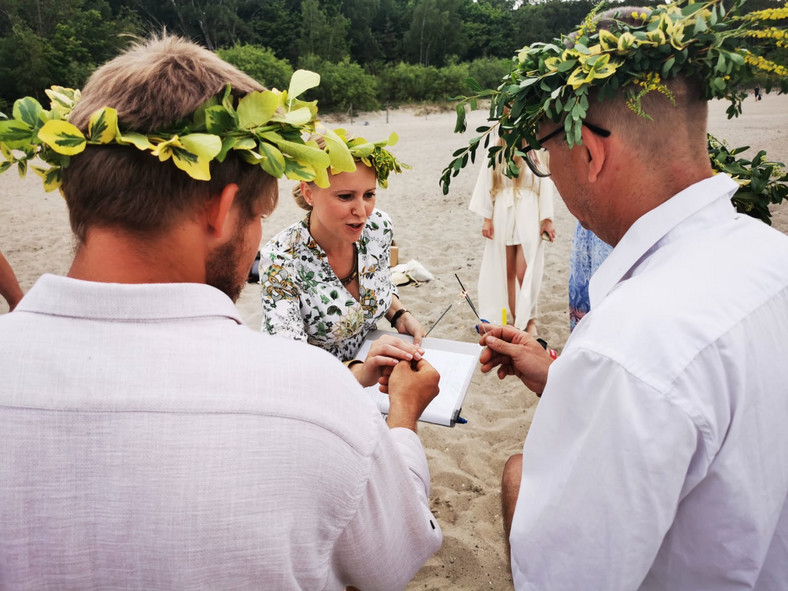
pixel 657 455
pixel 150 440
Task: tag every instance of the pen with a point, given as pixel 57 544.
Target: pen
pixel 413 363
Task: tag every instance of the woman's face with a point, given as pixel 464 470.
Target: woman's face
pixel 341 210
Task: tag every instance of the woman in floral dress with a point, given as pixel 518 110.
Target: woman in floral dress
pixel 326 279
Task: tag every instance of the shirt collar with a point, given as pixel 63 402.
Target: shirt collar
pixel 653 226
pixel 73 298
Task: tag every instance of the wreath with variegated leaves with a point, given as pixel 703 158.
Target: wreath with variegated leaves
pixel 265 128
pixel 374 154
pixel 552 81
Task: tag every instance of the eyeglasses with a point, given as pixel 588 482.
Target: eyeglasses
pixel 538 161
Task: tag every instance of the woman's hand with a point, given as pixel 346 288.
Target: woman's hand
pixel 407 324
pixel 383 355
pixel 487 228
pixel 547 227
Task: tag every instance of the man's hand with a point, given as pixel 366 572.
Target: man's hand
pixel 383 355
pixel 514 353
pixel 410 392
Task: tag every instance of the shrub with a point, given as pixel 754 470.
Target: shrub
pixel 342 84
pixel 260 63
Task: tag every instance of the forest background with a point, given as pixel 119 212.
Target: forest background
pixel 369 53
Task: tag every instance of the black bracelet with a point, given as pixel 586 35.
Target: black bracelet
pixel 396 316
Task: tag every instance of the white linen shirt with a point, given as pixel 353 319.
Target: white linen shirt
pixel 151 441
pixel 658 455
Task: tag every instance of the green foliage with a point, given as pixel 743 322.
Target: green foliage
pixel 488 71
pixel 341 85
pixel 322 33
pixel 761 182
pixel 260 63
pixel 436 32
pixel 405 83
pixel 266 129
pixel 57 42
pixel 633 54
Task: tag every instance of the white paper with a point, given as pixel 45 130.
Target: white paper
pixel 455 361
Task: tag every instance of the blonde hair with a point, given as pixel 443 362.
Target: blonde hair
pixel 525 180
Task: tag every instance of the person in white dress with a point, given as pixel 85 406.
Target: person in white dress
pixel 517 221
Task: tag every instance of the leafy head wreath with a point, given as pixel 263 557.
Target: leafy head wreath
pixel 372 154
pixel 265 128
pixel 552 81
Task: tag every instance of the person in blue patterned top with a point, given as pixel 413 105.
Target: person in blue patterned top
pixel 326 279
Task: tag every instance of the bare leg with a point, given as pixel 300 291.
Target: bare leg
pixel 511 278
pixel 510 489
pixel 515 272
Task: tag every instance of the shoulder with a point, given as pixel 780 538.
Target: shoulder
pixel 327 396
pixel 684 297
pixel 379 219
pixel 289 244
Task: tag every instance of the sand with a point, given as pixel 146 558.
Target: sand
pixel 438 231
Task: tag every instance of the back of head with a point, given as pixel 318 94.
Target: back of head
pixel 153 86
pixel 669 120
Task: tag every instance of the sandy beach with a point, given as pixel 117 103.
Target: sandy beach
pixel 438 231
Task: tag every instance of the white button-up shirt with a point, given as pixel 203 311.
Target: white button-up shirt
pixel 658 455
pixel 151 441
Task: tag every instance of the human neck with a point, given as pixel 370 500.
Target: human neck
pixel 111 255
pixel 330 244
pixel 647 189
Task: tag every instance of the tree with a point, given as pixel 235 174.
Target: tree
pixel 321 34
pixel 435 32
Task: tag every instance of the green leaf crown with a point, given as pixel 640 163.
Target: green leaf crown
pixel 373 154
pixel 552 81
pixel 265 128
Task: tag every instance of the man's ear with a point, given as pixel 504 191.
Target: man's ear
pixel 217 212
pixel 597 153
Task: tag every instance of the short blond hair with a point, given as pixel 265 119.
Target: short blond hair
pixel 154 85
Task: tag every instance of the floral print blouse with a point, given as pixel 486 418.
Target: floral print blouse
pixel 303 298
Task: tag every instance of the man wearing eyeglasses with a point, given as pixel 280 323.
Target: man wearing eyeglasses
pixel 658 455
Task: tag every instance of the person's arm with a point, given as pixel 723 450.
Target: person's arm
pixel 481 199
pixel 515 353
pixel 546 194
pixel 404 321
pixel 393 532
pixel 547 227
pixel 9 286
pixel 488 230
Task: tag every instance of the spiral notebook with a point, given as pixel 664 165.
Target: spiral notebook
pixel 455 362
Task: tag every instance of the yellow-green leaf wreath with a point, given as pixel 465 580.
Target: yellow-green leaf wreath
pixel 724 48
pixel 266 129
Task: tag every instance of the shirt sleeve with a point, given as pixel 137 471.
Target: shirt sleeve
pixel 481 201
pixel 280 294
pixel 546 195
pixel 395 501
pixel 604 464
